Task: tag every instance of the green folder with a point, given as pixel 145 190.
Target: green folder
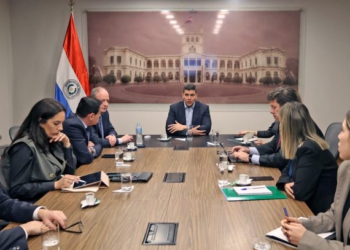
pixel 231 195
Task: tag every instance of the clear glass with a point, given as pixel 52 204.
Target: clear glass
pixel 119 155
pixel 215 137
pixel 223 180
pixel 50 238
pixel 126 181
pixel 189 133
pixel 260 243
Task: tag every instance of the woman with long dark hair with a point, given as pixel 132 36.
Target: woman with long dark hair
pixel 39 154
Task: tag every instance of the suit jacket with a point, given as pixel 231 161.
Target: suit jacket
pixel 201 116
pixel 17 211
pixel 271 131
pixel 330 220
pixel 314 173
pixel 271 155
pixel 74 128
pixel 108 129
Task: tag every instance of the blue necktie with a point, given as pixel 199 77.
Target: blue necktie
pixel 100 125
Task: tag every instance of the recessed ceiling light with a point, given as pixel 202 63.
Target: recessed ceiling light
pixel 221 16
pixel 176 26
pixel 169 16
pixel 173 22
pixel 218 26
pixel 219 21
pixel 164 12
pixel 224 11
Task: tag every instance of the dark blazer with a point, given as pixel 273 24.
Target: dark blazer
pixel 201 116
pixel 314 173
pixel 108 129
pixel 17 211
pixel 271 131
pixel 270 153
pixel 332 220
pixel 74 128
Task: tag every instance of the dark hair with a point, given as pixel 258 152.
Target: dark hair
pixel 88 105
pixel 347 119
pixel 283 94
pixel 190 86
pixel 40 113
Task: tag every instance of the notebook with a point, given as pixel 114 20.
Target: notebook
pixel 252 190
pixel 231 195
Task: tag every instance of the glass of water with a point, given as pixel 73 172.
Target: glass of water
pixel 50 238
pixel 119 155
pixel 261 243
pixel 189 133
pixel 126 181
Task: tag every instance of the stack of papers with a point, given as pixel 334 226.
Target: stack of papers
pixel 252 190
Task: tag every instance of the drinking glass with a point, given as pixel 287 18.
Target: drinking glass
pixel 50 238
pixel 261 243
pixel 126 181
pixel 189 133
pixel 119 155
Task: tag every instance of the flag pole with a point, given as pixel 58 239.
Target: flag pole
pixel 71 4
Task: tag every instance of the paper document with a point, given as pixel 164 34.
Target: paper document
pixel 277 235
pixel 252 190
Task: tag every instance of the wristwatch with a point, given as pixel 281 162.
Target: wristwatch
pixel 92 150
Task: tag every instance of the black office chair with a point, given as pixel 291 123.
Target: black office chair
pixel 13 132
pixel 331 137
pixel 2 149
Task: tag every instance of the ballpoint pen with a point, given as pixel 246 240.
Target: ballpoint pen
pixel 82 181
pixel 285 212
pixel 252 188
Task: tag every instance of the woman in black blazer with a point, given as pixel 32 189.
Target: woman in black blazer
pixel 311 173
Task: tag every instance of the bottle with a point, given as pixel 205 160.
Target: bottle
pixel 139 140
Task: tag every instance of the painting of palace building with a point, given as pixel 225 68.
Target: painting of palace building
pixel 232 57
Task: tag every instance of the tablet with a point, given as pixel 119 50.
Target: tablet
pixel 89 179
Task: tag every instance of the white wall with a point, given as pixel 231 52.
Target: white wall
pixel 6 76
pixel 38 28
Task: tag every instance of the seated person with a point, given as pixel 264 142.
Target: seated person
pixel 311 174
pixel 303 233
pixel 78 128
pixel 39 154
pixel 188 112
pixel 19 211
pixel 104 128
pixel 269 154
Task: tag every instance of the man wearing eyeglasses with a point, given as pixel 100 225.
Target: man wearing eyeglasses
pixel 19 211
pixel 188 112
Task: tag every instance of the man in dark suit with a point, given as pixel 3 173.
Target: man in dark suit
pixel 104 128
pixel 19 211
pixel 78 127
pixel 269 154
pixel 188 112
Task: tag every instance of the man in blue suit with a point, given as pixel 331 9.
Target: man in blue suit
pixel 188 112
pixel 78 127
pixel 19 211
pixel 104 128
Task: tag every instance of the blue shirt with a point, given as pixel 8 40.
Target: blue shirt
pixel 189 114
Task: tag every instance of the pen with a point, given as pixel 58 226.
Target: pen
pixel 285 212
pixel 82 181
pixel 252 188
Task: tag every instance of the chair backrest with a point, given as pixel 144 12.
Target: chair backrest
pixel 2 149
pixel 331 137
pixel 13 132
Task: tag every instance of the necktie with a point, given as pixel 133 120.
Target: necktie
pixel 100 126
pixel 88 133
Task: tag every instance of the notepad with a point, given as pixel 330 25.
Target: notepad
pixel 278 236
pixel 252 190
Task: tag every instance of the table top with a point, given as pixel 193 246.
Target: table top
pixel 206 220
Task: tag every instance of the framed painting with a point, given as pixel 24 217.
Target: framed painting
pixel 232 56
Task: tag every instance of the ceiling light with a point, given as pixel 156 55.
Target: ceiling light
pixel 165 12
pixel 169 16
pixel 176 26
pixel 218 26
pixel 173 22
pixel 221 16
pixel 223 11
pixel 219 21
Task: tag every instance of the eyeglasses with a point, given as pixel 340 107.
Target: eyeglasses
pixel 76 227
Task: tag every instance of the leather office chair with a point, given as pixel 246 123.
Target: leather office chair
pixel 13 132
pixel 2 149
pixel 331 137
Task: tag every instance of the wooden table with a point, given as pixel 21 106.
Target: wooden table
pixel 206 220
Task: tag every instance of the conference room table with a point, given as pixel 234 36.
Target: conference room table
pixel 206 220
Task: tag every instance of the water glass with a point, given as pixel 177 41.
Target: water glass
pixel 119 155
pixel 126 181
pixel 214 136
pixel 50 238
pixel 261 243
pixel 189 133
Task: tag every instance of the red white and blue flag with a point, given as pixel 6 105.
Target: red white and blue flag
pixel 189 20
pixel 72 80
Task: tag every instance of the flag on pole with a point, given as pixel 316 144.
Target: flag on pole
pixel 189 20
pixel 72 81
